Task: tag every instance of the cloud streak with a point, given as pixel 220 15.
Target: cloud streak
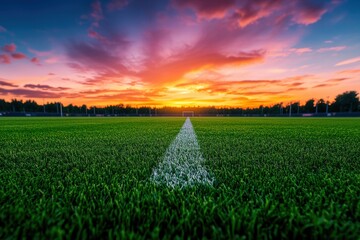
pixel 331 49
pixel 348 61
pixel 30 93
pixel 6 83
pixel 45 87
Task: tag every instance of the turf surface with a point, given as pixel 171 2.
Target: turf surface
pixel 90 178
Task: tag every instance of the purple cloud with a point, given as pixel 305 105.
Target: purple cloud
pixel 30 93
pixel 6 84
pixel 45 87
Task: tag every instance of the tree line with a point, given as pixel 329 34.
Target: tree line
pixel 344 102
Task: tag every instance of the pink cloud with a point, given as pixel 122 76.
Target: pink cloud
pixel 348 61
pixel 96 35
pixel 52 60
pixel 79 67
pixel 97 12
pixel 4 58
pixel 309 14
pixel 331 49
pixel 349 71
pixel 252 11
pixel 208 8
pixel 300 50
pixel 35 60
pixel 40 53
pixel 18 56
pixel 9 48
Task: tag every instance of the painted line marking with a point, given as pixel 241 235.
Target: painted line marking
pixel 182 163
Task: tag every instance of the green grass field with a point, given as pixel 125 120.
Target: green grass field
pixel 90 178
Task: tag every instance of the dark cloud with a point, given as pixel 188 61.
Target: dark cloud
pixel 131 95
pixel 323 85
pixel 297 89
pixel 95 57
pixel 250 11
pixel 6 84
pixel 334 80
pixel 18 56
pixel 45 87
pixel 296 84
pixel 30 93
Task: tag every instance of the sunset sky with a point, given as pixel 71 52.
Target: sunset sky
pixel 178 52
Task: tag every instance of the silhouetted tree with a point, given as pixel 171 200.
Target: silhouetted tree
pixel 4 106
pixel 347 101
pixel 309 106
pixel 321 105
pixel 17 105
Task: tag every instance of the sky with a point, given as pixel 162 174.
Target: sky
pixel 238 53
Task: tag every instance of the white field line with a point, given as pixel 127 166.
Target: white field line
pixel 181 166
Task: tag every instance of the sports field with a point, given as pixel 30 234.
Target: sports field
pixel 171 177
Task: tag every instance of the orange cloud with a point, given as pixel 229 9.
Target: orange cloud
pixel 349 71
pixel 187 62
